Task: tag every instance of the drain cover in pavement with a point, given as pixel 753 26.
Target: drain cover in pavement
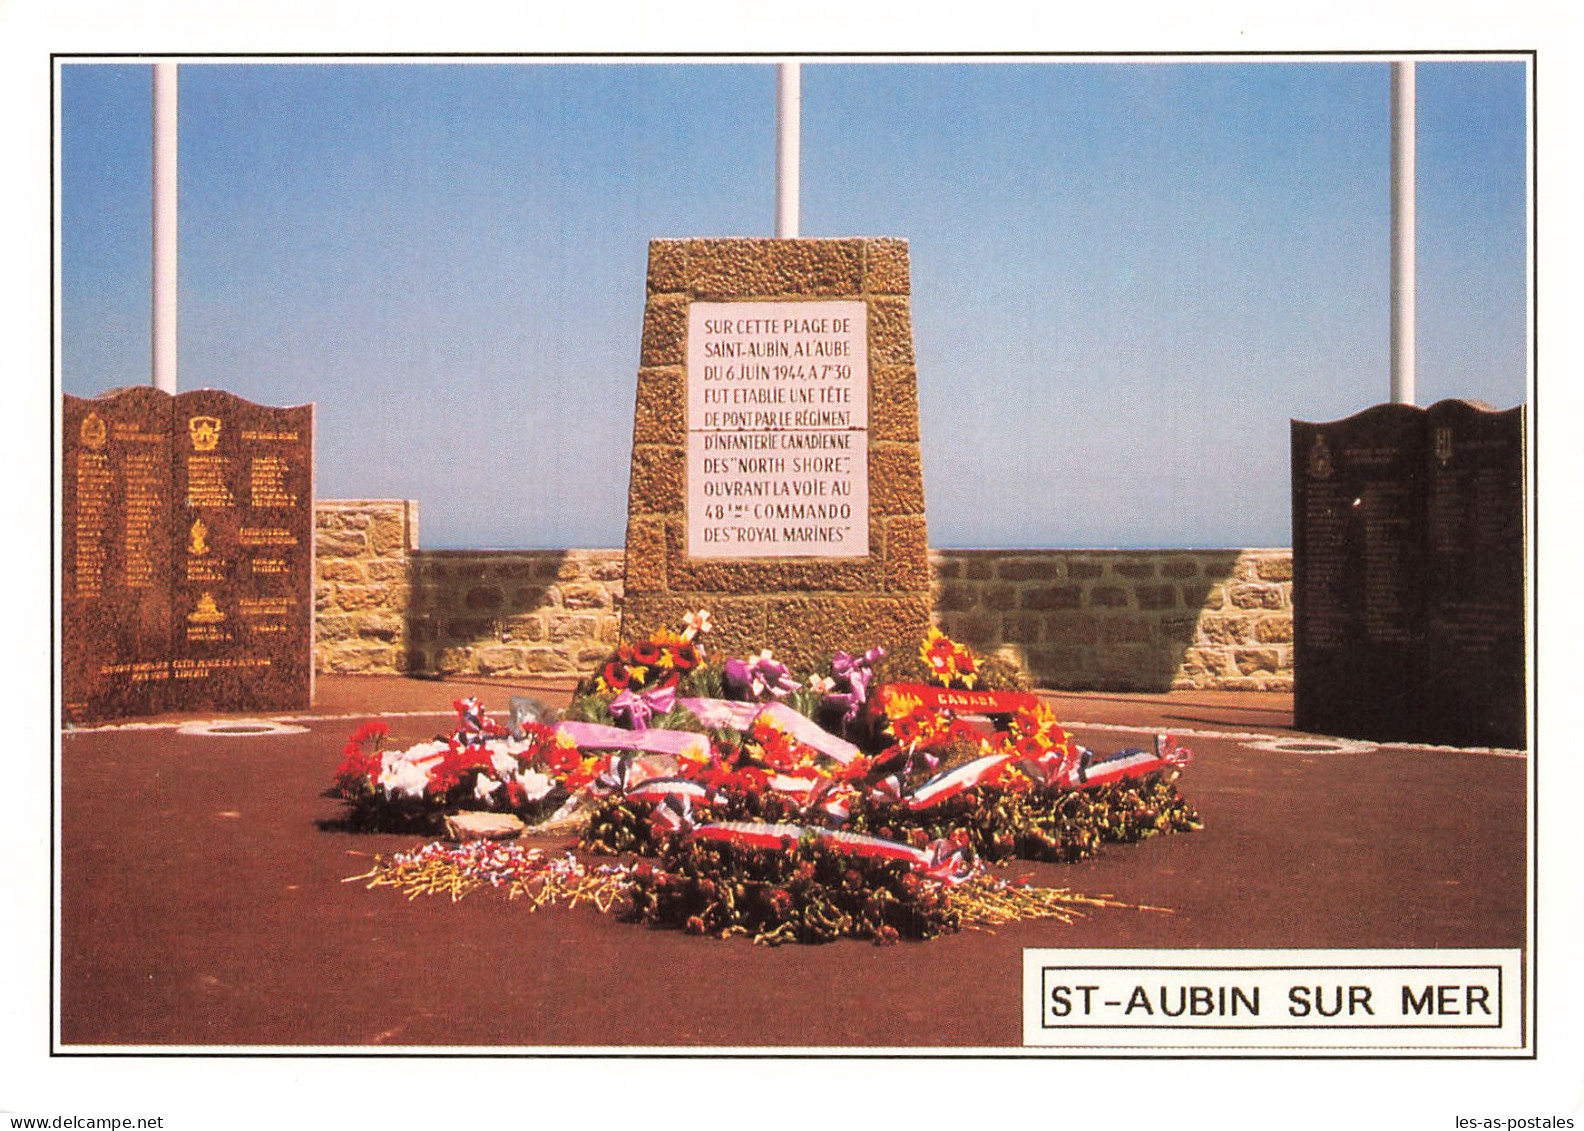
pixel 1313 746
pixel 233 728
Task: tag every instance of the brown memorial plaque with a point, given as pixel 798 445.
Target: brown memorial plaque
pixel 242 601
pixel 187 567
pixel 115 554
pixel 1408 575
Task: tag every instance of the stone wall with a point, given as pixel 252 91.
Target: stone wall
pixel 541 612
pixel 1144 620
pixel 363 550
pixel 386 606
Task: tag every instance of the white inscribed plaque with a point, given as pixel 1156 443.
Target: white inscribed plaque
pixel 778 430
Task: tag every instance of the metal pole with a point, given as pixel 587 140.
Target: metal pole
pixel 1402 233
pixel 163 334
pixel 789 105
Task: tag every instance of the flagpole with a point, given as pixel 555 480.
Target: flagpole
pixel 1403 134
pixel 163 331
pixel 789 105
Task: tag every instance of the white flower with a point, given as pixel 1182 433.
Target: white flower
pixel 534 784
pixel 484 787
pixel 422 752
pixel 697 624
pixel 399 774
pixel 503 763
pixel 822 684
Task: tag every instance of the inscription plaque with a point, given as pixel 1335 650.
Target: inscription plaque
pixel 778 430
pixel 1408 575
pixel 187 554
pixel 776 477
pixel 115 554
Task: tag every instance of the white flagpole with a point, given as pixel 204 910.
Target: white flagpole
pixel 1402 233
pixel 163 334
pixel 789 105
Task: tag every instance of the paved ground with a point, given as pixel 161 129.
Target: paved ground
pixel 202 902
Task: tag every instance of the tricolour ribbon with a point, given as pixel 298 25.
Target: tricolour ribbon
pixel 954 781
pixel 1130 763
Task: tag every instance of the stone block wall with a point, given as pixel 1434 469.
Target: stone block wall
pixel 540 612
pixel 363 549
pixel 1146 620
pixel 1136 620
pixel 385 606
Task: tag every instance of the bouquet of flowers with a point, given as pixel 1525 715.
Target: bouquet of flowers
pixel 476 767
pixel 663 741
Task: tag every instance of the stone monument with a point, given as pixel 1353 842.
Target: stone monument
pixel 1408 575
pixel 187 555
pixel 776 478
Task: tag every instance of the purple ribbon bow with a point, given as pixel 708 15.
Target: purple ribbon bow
pixel 634 711
pixel 858 672
pixel 753 679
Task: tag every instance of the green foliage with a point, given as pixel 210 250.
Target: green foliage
pixel 805 701
pixel 1057 825
pixel 703 682
pixel 804 892
pixel 590 707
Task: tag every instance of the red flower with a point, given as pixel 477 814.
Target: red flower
pixel 685 656
pixel 856 770
pixel 909 728
pixel 941 654
pixel 646 653
pixel 370 731
pixel 780 903
pixel 616 676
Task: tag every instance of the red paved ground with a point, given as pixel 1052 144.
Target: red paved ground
pixel 202 901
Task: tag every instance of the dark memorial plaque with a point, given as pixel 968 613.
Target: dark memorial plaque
pixel 187 555
pixel 1475 653
pixel 1408 575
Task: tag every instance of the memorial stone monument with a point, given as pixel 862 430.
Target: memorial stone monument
pixel 1408 575
pixel 775 477
pixel 187 554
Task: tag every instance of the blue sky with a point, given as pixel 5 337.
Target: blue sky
pixel 1127 276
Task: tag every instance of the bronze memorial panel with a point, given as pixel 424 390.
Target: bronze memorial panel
pixel 187 555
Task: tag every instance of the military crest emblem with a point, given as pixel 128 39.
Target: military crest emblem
pixel 205 433
pixel 1320 464
pixel 93 431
